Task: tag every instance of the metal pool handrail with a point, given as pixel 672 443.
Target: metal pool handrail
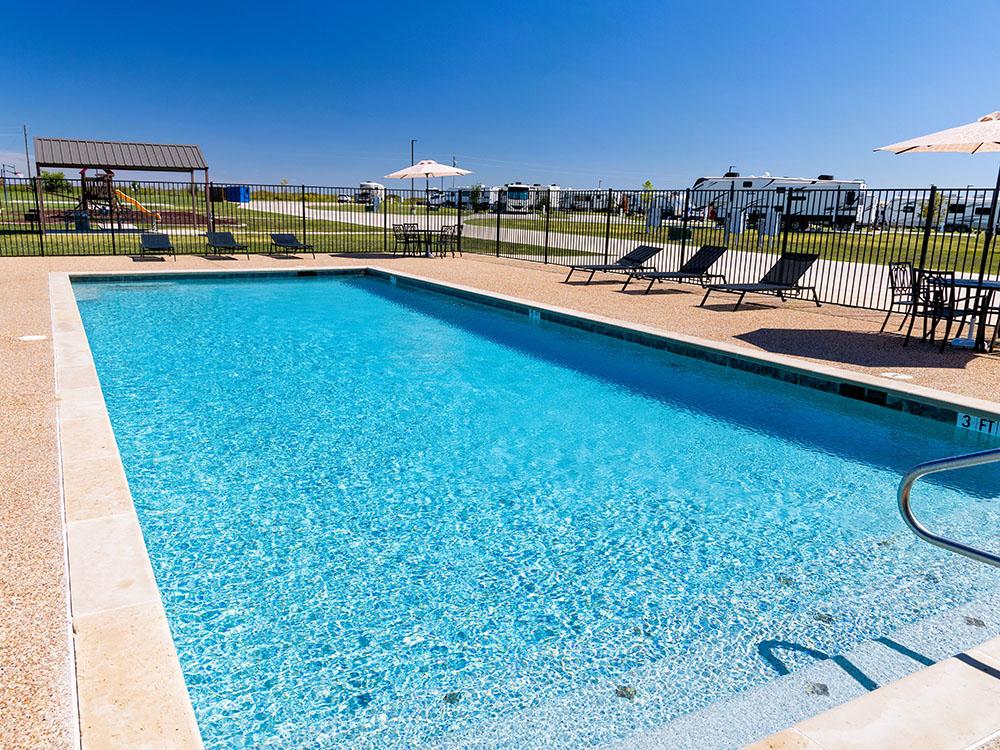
pixel 932 467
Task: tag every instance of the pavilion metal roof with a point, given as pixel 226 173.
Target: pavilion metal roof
pixel 154 157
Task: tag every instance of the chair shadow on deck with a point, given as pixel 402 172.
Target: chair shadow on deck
pixel 368 256
pixel 862 348
pixel 639 290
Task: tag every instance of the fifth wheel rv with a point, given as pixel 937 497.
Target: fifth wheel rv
pixel 822 201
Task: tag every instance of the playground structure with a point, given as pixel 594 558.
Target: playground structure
pixel 101 204
pixel 100 199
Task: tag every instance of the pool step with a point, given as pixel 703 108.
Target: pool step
pixel 819 687
pixel 582 718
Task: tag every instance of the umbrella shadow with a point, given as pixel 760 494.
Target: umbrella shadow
pixel 855 348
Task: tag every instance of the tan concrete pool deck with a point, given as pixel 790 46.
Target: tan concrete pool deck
pixel 38 701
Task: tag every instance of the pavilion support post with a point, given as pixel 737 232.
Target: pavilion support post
pixel 209 217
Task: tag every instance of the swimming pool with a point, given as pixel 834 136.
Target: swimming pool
pixel 383 517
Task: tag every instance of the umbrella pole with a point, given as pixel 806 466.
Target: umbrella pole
pixel 990 229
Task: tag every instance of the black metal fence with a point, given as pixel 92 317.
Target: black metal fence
pixel 855 233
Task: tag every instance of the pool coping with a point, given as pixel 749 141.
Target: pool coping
pixel 129 683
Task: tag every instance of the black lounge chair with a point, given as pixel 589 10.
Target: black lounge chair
pixel 782 280
pixel 224 242
pixel 151 243
pixel 633 261
pixel 290 244
pixel 695 269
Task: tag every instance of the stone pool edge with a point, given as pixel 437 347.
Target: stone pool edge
pixel 114 693
pixel 129 686
pixel 913 399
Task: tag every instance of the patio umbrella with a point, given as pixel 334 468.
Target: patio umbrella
pixel 426 168
pixel 979 137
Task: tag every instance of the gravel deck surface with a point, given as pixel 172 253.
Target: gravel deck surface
pixel 36 696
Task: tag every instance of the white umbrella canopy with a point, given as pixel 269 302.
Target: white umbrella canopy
pixel 427 168
pixel 977 137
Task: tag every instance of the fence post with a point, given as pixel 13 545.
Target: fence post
pixel 498 230
pixel 37 190
pixel 458 228
pixel 548 212
pixel 305 239
pixel 210 204
pixel 685 223
pixel 111 213
pixel 785 223
pixel 928 223
pixel 730 211
pixel 990 230
pixel 607 230
pixel 385 220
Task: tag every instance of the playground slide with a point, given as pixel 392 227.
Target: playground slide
pixel 136 203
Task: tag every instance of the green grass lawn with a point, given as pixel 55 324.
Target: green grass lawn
pixel 516 250
pixel 127 243
pixel 946 250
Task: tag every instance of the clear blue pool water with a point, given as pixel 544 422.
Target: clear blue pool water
pixel 381 517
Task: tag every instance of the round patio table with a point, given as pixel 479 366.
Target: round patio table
pixel 427 239
pixel 987 290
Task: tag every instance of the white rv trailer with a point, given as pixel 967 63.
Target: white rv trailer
pixel 546 196
pixel 963 213
pixel 436 197
pixel 469 197
pixel 592 200
pixel 824 200
pixel 367 191
pixel 956 211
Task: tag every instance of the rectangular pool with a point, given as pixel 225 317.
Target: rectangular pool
pixel 383 517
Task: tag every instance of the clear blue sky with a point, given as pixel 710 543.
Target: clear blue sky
pixel 331 93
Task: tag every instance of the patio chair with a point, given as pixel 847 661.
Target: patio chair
pixel 696 268
pixel 447 240
pixel 937 299
pixel 782 280
pixel 406 239
pixel 633 261
pixel 290 244
pixel 900 292
pixel 225 243
pixel 155 244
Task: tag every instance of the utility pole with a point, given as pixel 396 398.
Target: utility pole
pixel 27 161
